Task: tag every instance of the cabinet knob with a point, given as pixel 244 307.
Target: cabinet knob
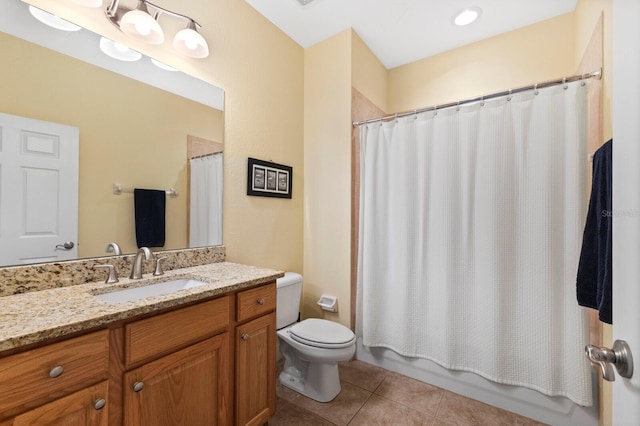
pixel 261 301
pixel 137 386
pixel 56 371
pixel 99 404
pixel 244 336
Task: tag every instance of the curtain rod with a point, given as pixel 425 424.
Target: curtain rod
pixel 595 74
pixel 211 154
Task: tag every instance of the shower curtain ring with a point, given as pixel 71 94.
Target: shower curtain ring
pixel 582 82
pixel 458 106
pixel 435 110
pixel 564 82
pixel 535 89
pixel 509 97
pixel 481 101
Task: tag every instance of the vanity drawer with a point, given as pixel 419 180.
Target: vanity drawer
pixel 256 301
pixel 41 375
pixel 162 334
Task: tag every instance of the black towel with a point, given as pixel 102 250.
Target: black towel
pixel 149 214
pixel 594 270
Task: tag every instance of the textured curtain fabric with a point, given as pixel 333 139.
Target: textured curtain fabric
pixel 205 210
pixel 471 223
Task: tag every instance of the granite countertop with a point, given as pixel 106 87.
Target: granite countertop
pixel 40 315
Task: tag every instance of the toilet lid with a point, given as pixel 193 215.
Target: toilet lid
pixel 322 333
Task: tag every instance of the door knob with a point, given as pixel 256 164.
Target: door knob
pixel 68 245
pixel 618 356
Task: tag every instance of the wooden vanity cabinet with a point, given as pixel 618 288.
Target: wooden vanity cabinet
pixel 188 387
pixel 60 383
pixel 177 373
pixel 255 351
pixel 209 363
pixel 85 407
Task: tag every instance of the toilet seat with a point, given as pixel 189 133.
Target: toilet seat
pixel 322 334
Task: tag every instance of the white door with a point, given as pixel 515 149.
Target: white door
pixel 626 203
pixel 38 191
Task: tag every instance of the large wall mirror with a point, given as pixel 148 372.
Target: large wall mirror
pixel 129 133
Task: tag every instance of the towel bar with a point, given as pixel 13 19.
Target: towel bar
pixel 119 189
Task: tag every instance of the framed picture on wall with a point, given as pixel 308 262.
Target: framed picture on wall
pixel 267 179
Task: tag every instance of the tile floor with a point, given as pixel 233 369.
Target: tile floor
pixel 373 396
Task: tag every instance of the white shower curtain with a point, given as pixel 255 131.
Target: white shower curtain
pixel 471 222
pixel 205 210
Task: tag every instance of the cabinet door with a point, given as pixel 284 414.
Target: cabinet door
pixel 255 370
pixel 189 387
pixel 86 407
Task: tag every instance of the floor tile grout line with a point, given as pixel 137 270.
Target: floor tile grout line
pixel 359 409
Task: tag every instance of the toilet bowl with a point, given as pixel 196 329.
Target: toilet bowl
pixel 311 348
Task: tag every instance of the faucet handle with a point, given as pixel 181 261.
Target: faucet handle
pixel 159 270
pixel 112 277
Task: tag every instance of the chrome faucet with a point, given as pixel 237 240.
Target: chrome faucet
pixel 136 271
pixel 113 248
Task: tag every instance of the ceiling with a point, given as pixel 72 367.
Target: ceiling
pixel 403 31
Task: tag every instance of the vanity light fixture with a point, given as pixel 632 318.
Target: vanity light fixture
pixel 52 20
pixel 142 25
pixel 138 23
pixel 467 16
pixel 190 42
pixel 118 51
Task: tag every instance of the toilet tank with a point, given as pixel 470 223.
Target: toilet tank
pixel 289 290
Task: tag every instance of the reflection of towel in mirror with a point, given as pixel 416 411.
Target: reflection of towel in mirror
pixel 594 270
pixel 150 217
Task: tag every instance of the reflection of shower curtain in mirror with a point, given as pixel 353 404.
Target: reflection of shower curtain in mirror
pixel 471 222
pixel 205 210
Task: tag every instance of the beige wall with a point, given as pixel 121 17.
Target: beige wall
pixel 587 17
pixel 539 52
pixel 368 75
pixel 130 133
pixel 327 185
pixel 261 71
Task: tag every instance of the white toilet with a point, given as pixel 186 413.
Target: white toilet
pixel 311 348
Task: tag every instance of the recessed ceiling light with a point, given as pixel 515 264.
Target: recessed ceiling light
pixel 52 20
pixel 467 16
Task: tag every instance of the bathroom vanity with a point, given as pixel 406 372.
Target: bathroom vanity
pixel 200 356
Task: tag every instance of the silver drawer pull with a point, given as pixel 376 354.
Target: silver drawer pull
pixel 99 404
pixel 245 337
pixel 261 301
pixel 56 371
pixel 137 386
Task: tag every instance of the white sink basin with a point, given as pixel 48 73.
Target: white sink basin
pixel 158 289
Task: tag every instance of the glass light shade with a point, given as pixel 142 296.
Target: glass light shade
pixel 467 16
pixel 189 42
pixel 88 3
pixel 162 65
pixel 52 20
pixel 139 24
pixel 118 51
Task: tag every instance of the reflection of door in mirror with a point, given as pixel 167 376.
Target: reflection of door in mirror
pixel 39 187
pixel 130 133
pixel 205 192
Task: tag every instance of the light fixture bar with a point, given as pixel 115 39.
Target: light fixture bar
pixel 115 12
pixel 141 24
